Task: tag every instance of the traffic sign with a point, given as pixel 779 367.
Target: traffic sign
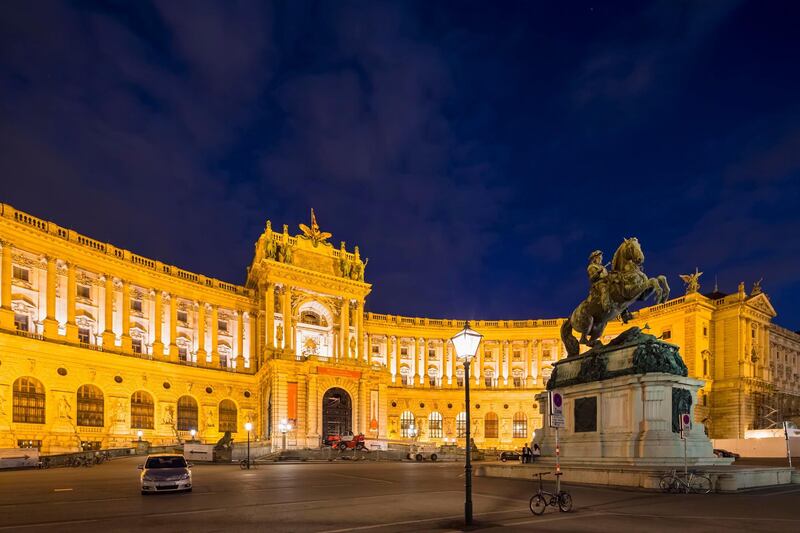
pixel 686 424
pixel 556 408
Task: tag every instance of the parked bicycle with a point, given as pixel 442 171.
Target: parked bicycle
pixel 676 481
pixel 243 464
pixel 542 499
pixel 44 463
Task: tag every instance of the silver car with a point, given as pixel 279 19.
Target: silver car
pixel 165 473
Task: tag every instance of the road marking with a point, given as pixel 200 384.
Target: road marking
pixel 701 517
pixel 61 490
pixel 366 478
pixel 570 516
pixel 40 524
pixel 420 521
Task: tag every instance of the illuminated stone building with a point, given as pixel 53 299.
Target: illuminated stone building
pixel 98 343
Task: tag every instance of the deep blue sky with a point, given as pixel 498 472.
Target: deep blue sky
pixel 476 151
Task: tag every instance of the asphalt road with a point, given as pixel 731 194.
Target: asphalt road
pixel 340 497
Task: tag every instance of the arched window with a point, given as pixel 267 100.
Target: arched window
pixel 142 410
pixel 28 401
pixel 187 413
pixel 407 428
pixel 227 416
pixel 310 317
pixel 490 426
pixel 435 425
pixel 519 428
pixel 461 425
pixel 90 406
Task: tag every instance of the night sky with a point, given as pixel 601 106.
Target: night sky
pixel 477 152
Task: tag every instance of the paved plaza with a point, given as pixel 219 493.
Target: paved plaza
pixel 340 497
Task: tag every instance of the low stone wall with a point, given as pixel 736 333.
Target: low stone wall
pixel 723 479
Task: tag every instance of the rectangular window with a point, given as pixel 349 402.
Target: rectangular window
pixel 222 325
pixel 183 317
pixel 376 349
pixel 136 305
pixel 83 335
pixel 21 321
pixel 516 354
pixel 461 427
pixel 489 382
pixel 490 425
pixel 518 382
pixel 404 350
pixel 460 381
pixel 29 444
pixel 666 335
pixel 84 291
pixel 404 380
pixel 705 330
pixel 433 382
pixel 546 354
pixel 182 353
pixel 22 274
pixel 519 427
pixel 136 344
pixel 432 353
pixel 435 426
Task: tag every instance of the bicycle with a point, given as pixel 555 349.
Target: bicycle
pixel 243 464
pixel 694 482
pixel 542 499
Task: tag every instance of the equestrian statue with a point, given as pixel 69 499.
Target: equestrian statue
pixel 610 295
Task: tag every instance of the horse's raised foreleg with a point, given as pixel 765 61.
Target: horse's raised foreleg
pixel 586 331
pixel 664 288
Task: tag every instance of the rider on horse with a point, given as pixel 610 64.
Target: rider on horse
pixel 599 280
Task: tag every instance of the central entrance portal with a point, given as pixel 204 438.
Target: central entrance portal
pixel 337 413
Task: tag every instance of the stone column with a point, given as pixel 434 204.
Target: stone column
pixel 368 348
pixel 269 311
pixel 126 317
pixel 426 344
pixel 362 406
pixel 201 334
pixel 412 371
pixel 345 325
pixel 72 288
pixel 214 336
pixel 158 343
pixel 108 333
pixel 475 366
pixel 392 352
pixel 506 362
pixel 359 328
pixel 449 361
pixel 50 322
pixel 528 362
pixel 288 335
pixel 6 314
pixel 240 341
pixel 539 348
pixel 173 327
pixel 312 408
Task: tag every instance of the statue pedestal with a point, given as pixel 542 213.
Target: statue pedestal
pixel 628 420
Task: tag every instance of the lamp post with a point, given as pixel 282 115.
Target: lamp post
pixel 284 427
pixel 193 432
pixel 249 427
pixel 466 344
pixel 139 434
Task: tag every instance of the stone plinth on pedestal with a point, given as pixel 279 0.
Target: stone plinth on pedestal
pixel 628 420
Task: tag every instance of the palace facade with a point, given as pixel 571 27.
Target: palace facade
pixel 99 345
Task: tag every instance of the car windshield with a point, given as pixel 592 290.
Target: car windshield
pixel 175 461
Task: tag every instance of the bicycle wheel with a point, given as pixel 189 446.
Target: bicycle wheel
pixel 667 484
pixel 537 504
pixel 243 464
pixel 700 484
pixel 565 502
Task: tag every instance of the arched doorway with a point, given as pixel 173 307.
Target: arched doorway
pixel 337 413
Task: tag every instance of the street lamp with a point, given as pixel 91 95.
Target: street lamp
pixel 249 427
pixel 466 344
pixel 139 434
pixel 284 427
pixel 193 432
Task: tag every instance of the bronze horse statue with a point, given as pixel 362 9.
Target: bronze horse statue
pixel 626 284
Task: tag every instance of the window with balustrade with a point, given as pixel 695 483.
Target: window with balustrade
pixel 90 406
pixel 187 413
pixel 142 410
pixel 28 401
pixel 519 427
pixel 490 426
pixel 227 416
pixel 435 425
pixel 461 425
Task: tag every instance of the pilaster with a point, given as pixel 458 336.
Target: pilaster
pixel 173 327
pixel 269 310
pixel 158 344
pixel 6 314
pixel 201 334
pixel 126 316
pixel 240 341
pixel 214 336
pixel 72 327
pixel 50 322
pixel 108 332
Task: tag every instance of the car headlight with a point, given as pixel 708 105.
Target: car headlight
pixel 147 478
pixel 187 475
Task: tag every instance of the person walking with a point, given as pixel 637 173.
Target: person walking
pixel 536 452
pixel 524 457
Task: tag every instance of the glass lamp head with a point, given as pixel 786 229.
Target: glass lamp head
pixel 248 426
pixel 466 342
pixel 193 432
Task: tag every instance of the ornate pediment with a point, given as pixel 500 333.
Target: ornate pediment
pixel 762 303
